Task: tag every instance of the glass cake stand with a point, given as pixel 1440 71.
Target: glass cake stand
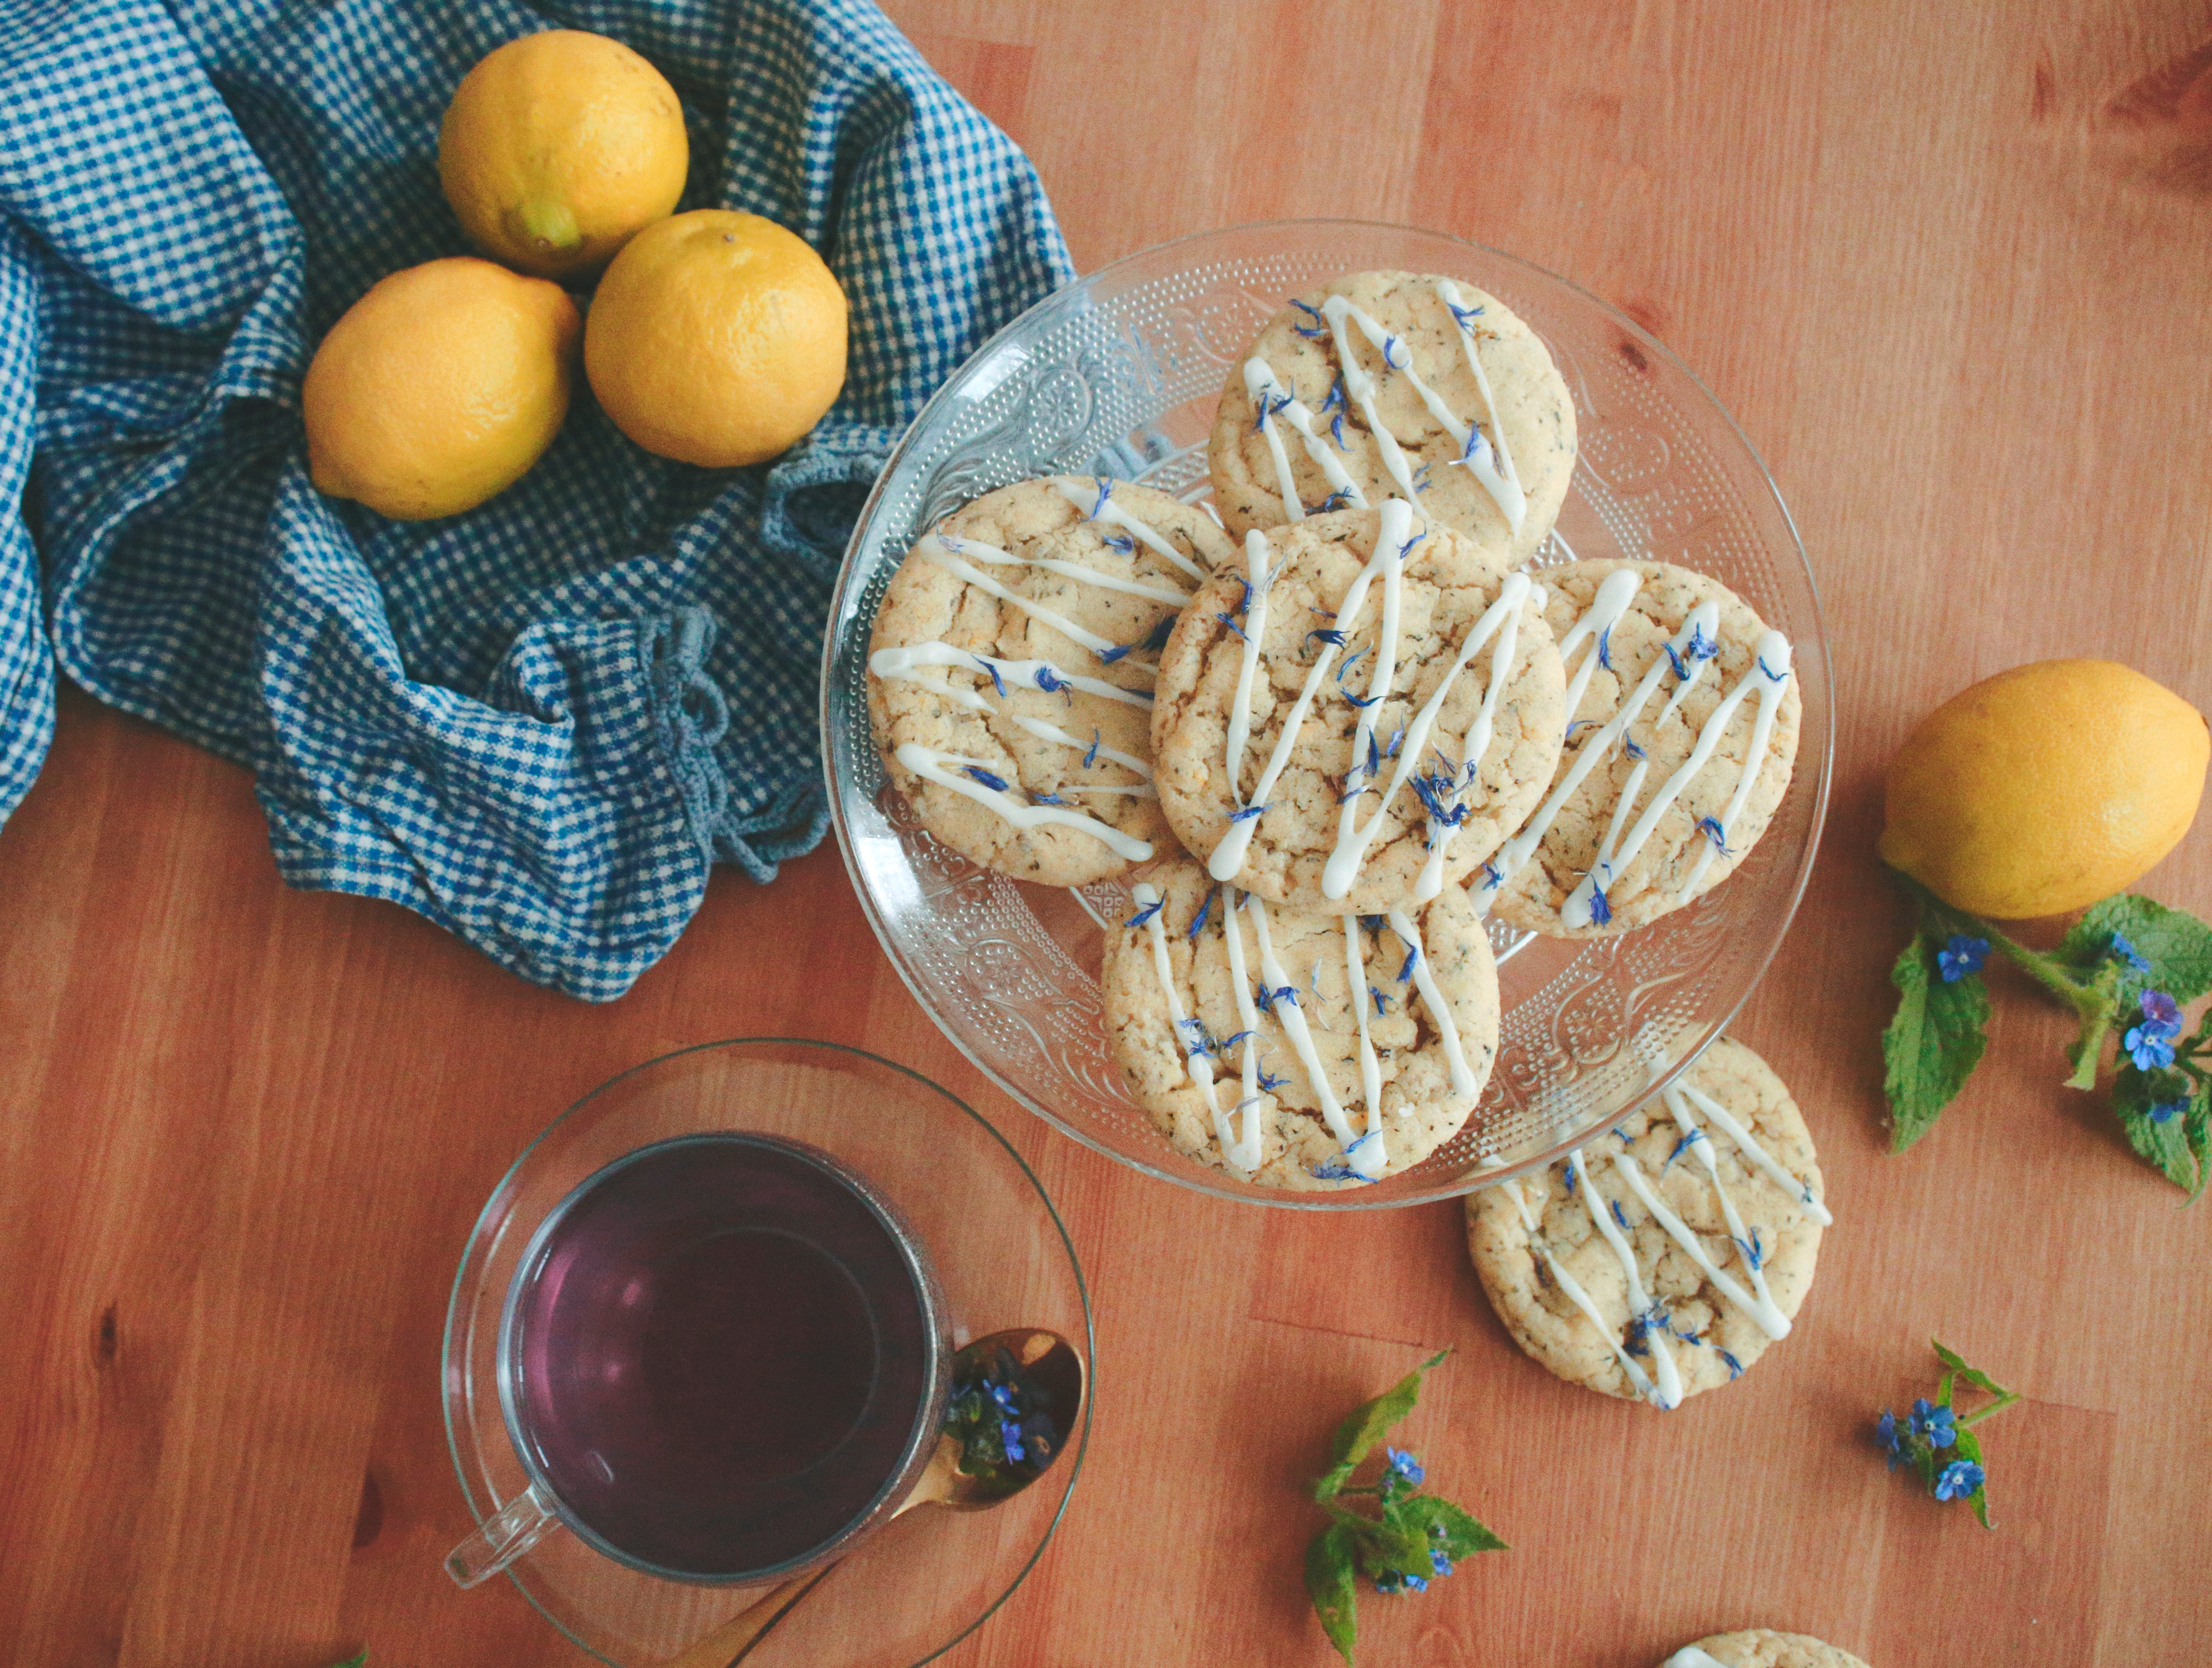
pixel 1119 374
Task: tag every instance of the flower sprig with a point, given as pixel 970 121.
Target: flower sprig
pixel 1002 1419
pixel 2127 969
pixel 1412 1538
pixel 1939 1442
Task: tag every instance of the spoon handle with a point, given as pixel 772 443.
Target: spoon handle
pixel 733 1641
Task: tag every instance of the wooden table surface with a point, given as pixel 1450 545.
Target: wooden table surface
pixel 1947 264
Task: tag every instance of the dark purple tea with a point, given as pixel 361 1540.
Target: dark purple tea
pixel 720 1354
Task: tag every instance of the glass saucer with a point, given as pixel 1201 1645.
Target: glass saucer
pixel 1004 1259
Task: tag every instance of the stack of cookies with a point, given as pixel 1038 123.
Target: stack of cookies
pixel 1342 723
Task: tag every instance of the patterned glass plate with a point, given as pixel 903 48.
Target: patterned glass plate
pixel 1119 374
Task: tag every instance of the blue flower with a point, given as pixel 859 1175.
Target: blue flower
pixel 2161 1014
pixel 1465 317
pixel 1601 911
pixel 1050 681
pixel 1416 1583
pixel 1961 1478
pixel 1894 1444
pixel 2163 1113
pixel 1389 1580
pixel 1438 1564
pixel 1711 828
pixel 1011 1434
pixel 1961 955
pixel 1003 1394
pixel 2147 1047
pixel 1934 1422
pixel 2128 953
pixel 1403 1465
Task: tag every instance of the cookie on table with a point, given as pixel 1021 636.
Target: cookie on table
pixel 1761 1647
pixel 1261 1042
pixel 1012 669
pixel 1369 387
pixel 1666 669
pixel 1658 1302
pixel 1319 699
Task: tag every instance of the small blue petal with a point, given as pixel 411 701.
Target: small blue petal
pixel 1146 913
pixel 987 780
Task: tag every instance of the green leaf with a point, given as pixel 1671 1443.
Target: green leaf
pixel 2178 946
pixel 1329 1583
pixel 1969 1446
pixel 1367 1425
pixel 1932 1044
pixel 1973 1375
pixel 2177 1146
pixel 1464 1536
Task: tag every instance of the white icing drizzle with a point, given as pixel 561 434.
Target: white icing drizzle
pixel 1292 1019
pixel 1758 1302
pixel 991 555
pixel 1641 1308
pixel 1690 1657
pixel 1195 1060
pixel 898 666
pixel 1772 669
pixel 928 762
pixel 1514 855
pixel 930 548
pixel 1256 1102
pixel 1371 1070
pixel 1773 651
pixel 1506 612
pixel 1343 865
pixel 1086 496
pixel 1053 732
pixel 1724 1121
pixel 1502 483
pixel 1271 398
pixel 1588 634
pixel 1255 629
pixel 1463 1079
pixel 1391 542
pixel 1361 386
pixel 1576 1295
pixel 1502 620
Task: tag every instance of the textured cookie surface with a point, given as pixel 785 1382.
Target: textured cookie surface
pixel 1303 350
pixel 1695 843
pixel 1762 1648
pixel 1422 1106
pixel 1446 583
pixel 1707 1333
pixel 980 724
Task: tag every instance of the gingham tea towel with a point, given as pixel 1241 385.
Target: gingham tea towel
pixel 540 722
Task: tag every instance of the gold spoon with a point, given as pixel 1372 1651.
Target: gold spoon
pixel 1044 1357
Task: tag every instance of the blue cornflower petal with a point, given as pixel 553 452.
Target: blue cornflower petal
pixel 1146 913
pixel 1710 827
pixel 1246 814
pixel 2149 1051
pixel 1204 910
pixel 1618 1215
pixel 1381 1002
pixel 1046 799
pixel 1268 1081
pixel 1335 637
pixel 1348 659
pixel 1231 624
pixel 1320 326
pixel 1412 956
pixel 1416 1583
pixel 1628 746
pixel 1011 1434
pixel 1601 911
pixel 1336 431
pixel 1362 705
pixel 2161 1014
pixel 1961 955
pixel 1050 681
pixel 999 782
pixel 1961 1478
pixel 997 682
pixel 1605 648
pixel 1090 753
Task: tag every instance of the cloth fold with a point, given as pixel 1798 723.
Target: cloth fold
pixel 541 722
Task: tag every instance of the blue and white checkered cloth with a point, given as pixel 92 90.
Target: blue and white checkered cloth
pixel 538 723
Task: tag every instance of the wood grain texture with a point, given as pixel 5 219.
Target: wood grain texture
pixel 1946 265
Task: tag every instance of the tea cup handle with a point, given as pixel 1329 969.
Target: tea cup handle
pixel 507 1535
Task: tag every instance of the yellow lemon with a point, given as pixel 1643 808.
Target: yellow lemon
pixel 439 387
pixel 558 147
pixel 2044 788
pixel 716 338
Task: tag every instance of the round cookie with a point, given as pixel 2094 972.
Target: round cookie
pixel 1307 611
pixel 1627 632
pixel 1761 1647
pixel 1546 1258
pixel 1498 470
pixel 1431 1029
pixel 1011 668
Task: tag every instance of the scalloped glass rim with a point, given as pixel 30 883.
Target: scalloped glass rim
pixel 1144 451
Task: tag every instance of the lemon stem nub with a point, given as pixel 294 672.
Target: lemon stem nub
pixel 550 225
